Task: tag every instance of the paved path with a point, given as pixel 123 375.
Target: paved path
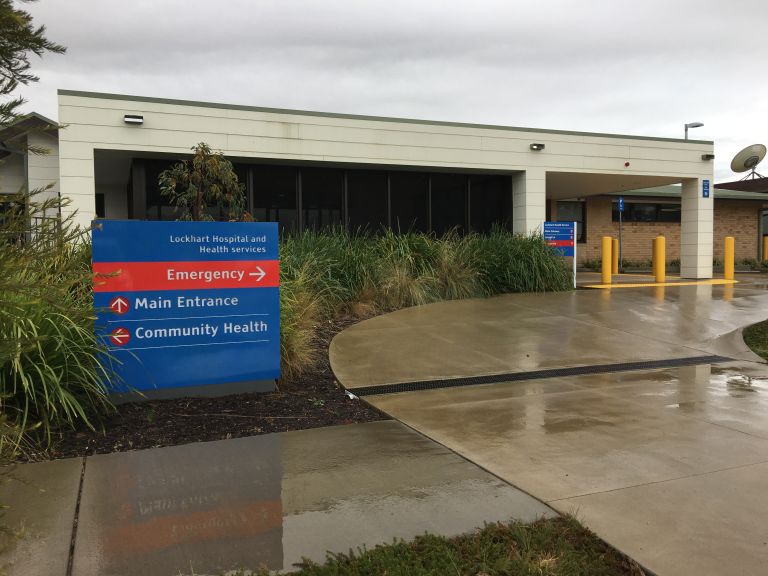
pixel 669 465
pixel 267 500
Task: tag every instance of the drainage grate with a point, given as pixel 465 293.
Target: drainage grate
pixel 536 375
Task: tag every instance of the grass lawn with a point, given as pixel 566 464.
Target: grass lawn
pixel 560 546
pixel 756 337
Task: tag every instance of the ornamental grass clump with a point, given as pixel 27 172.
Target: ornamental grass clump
pixel 50 374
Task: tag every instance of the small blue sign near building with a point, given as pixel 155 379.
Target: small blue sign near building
pixel 188 304
pixel 621 203
pixel 705 188
pixel 562 236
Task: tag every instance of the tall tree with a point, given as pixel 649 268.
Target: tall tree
pixel 19 38
pixel 206 181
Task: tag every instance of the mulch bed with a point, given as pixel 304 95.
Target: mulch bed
pixel 312 401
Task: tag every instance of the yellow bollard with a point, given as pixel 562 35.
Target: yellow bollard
pixel 730 249
pixel 615 256
pixel 660 259
pixel 653 257
pixel 765 248
pixel 607 244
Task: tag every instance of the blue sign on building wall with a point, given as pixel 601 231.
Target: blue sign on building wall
pixel 183 304
pixel 705 188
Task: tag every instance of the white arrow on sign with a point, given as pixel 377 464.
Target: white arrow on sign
pixel 260 274
pixel 119 305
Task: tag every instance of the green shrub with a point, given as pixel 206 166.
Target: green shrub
pixel 50 376
pixel 517 263
pixel 751 263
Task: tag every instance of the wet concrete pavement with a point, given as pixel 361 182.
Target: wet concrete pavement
pixel 669 465
pixel 524 332
pixel 39 503
pixel 261 501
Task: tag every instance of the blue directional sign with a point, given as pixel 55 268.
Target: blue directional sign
pixel 705 189
pixel 621 203
pixel 182 304
pixel 562 236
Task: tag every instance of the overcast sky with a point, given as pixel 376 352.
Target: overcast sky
pixel 641 68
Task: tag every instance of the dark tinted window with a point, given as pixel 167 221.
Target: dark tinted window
pixel 410 201
pixel 274 196
pixel 367 200
pixel 321 197
pixel 158 206
pixel 100 211
pixel 647 212
pixel 449 202
pixel 490 202
pixel 573 212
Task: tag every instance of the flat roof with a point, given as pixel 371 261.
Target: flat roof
pixel 171 101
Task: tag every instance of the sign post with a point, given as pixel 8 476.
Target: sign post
pixel 621 215
pixel 188 308
pixel 562 236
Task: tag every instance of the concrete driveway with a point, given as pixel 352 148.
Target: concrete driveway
pixel 670 464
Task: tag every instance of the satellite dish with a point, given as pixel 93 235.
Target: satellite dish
pixel 748 158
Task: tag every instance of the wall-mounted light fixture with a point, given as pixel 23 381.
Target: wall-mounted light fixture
pixel 707 156
pixel 133 119
pixel 536 146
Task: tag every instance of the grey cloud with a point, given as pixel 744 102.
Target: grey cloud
pixel 601 65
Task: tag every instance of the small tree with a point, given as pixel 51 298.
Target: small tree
pixel 207 180
pixel 19 38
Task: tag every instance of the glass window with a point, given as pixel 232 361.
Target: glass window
pixel 158 206
pixel 449 202
pixel 573 212
pixel 669 213
pixel 321 197
pixel 647 212
pixel 410 201
pixel 274 196
pixel 100 211
pixel 242 176
pixel 367 202
pixel 490 198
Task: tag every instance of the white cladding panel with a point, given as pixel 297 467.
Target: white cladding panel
pixel 12 177
pixel 96 122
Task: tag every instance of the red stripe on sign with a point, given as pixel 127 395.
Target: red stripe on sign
pixel 559 243
pixel 140 276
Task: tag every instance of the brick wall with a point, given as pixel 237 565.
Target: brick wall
pixel 737 218
pixel 741 220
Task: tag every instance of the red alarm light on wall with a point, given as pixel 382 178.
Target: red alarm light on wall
pixel 626 164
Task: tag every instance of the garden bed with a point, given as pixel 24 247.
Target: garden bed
pixel 310 401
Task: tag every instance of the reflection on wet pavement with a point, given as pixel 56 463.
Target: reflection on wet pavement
pixel 271 500
pixel 527 332
pixel 666 464
pixel 595 443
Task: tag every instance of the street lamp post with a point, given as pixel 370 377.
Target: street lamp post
pixel 692 125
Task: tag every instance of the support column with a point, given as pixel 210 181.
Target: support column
pixel 529 191
pixel 77 181
pixel 697 217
